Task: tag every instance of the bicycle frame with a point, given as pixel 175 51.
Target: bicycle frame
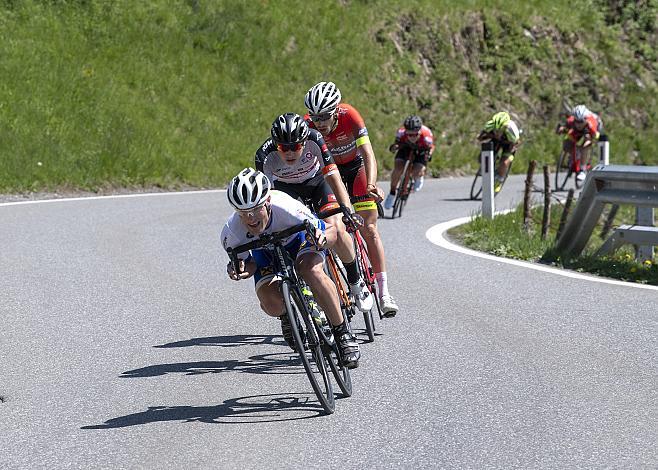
pixel 319 344
pixel 344 298
pixel 406 182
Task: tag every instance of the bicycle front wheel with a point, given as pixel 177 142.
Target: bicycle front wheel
pixel 380 210
pixel 332 355
pixel 476 187
pixel 313 360
pixel 562 171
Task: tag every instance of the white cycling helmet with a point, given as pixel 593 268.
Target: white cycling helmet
pixel 322 98
pixel 580 112
pixel 249 189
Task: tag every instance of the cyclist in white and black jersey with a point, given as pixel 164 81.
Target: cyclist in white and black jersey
pixel 260 210
pixel 298 162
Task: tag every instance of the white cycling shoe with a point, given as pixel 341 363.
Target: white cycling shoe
pixel 418 183
pixel 388 203
pixel 362 296
pixel 388 306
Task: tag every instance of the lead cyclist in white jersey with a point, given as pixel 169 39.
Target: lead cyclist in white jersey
pixel 260 210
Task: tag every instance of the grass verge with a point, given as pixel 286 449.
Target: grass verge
pixel 505 236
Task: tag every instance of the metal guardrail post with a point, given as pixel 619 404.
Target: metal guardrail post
pixel 644 216
pixel 612 184
pixel 604 150
pixel 487 165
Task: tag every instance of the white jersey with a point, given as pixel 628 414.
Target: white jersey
pixel 286 212
pixel 315 158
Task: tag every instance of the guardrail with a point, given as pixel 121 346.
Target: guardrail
pixel 613 184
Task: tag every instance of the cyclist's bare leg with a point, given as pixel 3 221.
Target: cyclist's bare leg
pixel 503 168
pixel 269 295
pixel 585 153
pixel 310 267
pixel 373 241
pixel 418 170
pixel 397 173
pixel 343 245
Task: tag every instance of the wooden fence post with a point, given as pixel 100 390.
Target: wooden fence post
pixel 565 213
pixel 546 219
pixel 609 221
pixel 526 196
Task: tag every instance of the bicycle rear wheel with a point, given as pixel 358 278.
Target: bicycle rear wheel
pixel 562 171
pixel 476 187
pixel 313 360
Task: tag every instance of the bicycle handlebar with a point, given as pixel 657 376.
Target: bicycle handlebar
pixel 269 239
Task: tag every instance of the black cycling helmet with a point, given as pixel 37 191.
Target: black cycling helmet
pixel 289 128
pixel 413 123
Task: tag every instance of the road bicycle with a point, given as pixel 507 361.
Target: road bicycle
pixel 568 163
pixel 476 186
pixel 366 272
pixel 406 186
pixel 317 349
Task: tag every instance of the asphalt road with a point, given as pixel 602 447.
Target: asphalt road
pixel 124 345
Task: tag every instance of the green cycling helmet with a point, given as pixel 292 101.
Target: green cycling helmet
pixel 497 122
pixel 500 120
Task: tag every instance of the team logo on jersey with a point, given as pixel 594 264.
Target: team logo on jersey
pixel 266 271
pixel 343 137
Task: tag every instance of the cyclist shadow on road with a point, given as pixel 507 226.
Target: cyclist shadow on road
pixel 250 409
pixel 277 363
pixel 226 341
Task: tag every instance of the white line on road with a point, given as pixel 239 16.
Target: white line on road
pixel 436 235
pixel 111 196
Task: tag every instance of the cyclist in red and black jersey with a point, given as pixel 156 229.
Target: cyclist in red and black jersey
pixel 412 138
pixel 582 130
pixel 298 162
pixel 346 135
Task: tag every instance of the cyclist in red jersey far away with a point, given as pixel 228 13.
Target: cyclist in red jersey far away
pixel 582 130
pixel 412 138
pixel 345 134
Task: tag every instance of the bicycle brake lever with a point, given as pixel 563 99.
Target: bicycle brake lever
pixel 310 231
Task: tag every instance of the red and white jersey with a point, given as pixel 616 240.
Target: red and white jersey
pixel 425 139
pixel 349 133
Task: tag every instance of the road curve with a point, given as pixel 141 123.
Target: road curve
pixel 124 345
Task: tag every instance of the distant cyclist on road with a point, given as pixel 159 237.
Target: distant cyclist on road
pixel 346 136
pixel 298 162
pixel 259 210
pixel 505 135
pixel 582 130
pixel 412 138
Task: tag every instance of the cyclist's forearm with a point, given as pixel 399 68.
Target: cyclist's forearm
pixel 370 162
pixel 337 186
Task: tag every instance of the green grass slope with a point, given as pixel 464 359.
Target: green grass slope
pixel 99 94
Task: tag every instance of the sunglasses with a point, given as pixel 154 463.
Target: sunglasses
pixel 251 212
pixel 321 117
pixel 290 147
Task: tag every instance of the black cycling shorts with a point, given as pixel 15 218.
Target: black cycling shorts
pixel 419 157
pixel 315 193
